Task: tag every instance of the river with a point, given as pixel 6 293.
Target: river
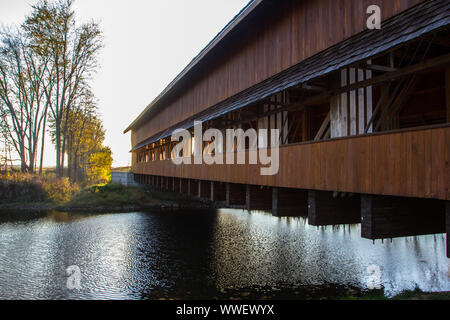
pixel 204 254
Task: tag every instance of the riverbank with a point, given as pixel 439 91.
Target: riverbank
pixel 99 198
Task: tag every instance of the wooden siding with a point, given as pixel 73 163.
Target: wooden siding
pixel 408 163
pixel 294 30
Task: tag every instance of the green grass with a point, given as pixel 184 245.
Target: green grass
pixel 418 294
pixel 110 195
pixel 27 192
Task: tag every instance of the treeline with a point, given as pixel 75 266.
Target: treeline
pixel 46 65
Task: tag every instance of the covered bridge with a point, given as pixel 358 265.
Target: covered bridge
pixel 363 114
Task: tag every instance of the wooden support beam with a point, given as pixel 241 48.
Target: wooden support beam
pixel 375 67
pixel 385 217
pixel 431 63
pixel 289 202
pixel 258 198
pixel 236 195
pixel 275 103
pixel 326 208
pixel 204 191
pixel 447 91
pixel 401 100
pixel 323 127
pixel 313 88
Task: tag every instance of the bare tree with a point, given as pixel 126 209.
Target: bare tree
pixel 22 72
pixel 73 52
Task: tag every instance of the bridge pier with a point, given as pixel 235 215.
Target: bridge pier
pixel 204 190
pixel 184 186
pixel 391 217
pixel 218 191
pixel 193 188
pixel 176 185
pixel 327 208
pixel 258 198
pixel 167 184
pixel 289 202
pixel 236 195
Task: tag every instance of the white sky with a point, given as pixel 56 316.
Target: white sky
pixel 147 43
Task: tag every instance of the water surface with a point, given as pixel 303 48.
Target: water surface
pixel 203 254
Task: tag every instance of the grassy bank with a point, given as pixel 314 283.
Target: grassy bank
pixel 116 197
pixel 28 193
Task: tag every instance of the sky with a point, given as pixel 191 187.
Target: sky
pixel 147 43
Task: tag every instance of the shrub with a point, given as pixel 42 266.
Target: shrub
pixel 59 190
pixel 22 187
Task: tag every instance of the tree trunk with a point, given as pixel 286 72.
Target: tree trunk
pixel 42 145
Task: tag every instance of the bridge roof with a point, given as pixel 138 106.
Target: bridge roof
pixel 418 21
pixel 223 34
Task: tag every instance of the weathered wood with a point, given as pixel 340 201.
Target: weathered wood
pixel 328 208
pixel 323 127
pixel 236 195
pixel 289 202
pixel 412 163
pixel 392 217
pixel 258 198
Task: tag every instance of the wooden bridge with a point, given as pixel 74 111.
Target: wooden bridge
pixel 364 115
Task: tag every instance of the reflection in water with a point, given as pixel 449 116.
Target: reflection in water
pixel 199 254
